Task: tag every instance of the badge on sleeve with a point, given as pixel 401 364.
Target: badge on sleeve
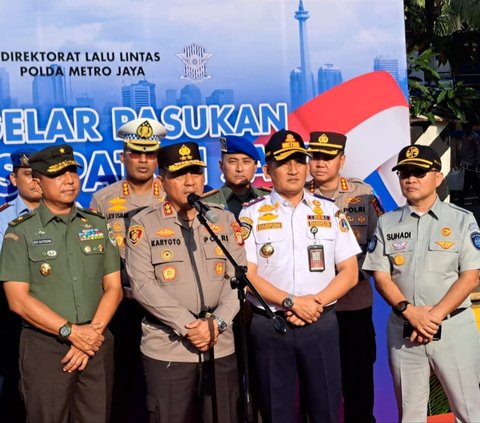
pixel 372 244
pixel 237 232
pixel 135 234
pixel 475 237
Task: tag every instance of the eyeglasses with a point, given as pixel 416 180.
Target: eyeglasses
pixel 150 155
pixel 417 173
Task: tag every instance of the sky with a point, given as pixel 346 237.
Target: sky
pixel 255 43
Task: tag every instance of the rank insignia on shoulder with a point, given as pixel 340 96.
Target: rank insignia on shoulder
pixel 209 193
pixel 4 206
pixel 324 198
pixel 20 219
pixel 93 211
pixel 252 202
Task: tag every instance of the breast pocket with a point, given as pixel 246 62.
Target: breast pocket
pixel 93 256
pixel 215 261
pixel 270 245
pixel 44 266
pixel 169 266
pixel 445 252
pixel 399 253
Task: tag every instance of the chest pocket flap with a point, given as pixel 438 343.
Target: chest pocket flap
pixel 449 246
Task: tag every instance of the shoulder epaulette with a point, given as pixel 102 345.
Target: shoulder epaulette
pixel 216 205
pixel 252 202
pixel 20 219
pixel 210 193
pixel 266 189
pixel 92 211
pixel 324 198
pixel 4 206
pixel 454 206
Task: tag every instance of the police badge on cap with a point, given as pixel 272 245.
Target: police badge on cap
pixel 142 135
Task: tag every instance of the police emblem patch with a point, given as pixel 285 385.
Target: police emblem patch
pixel 475 238
pixel 135 234
pixel 372 244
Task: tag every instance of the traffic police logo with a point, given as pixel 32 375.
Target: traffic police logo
pixel 145 130
pixel 135 234
pixel 475 237
pixel 399 260
pixel 194 58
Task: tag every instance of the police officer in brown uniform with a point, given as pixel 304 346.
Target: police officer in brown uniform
pixel 119 202
pixel 181 277
pixel 354 311
pixel 61 272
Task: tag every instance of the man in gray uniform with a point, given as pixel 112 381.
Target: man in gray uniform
pixel 238 164
pixel 425 260
pixel 119 202
pixel 181 277
pixel 356 199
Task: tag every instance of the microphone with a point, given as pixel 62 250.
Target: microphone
pixel 194 201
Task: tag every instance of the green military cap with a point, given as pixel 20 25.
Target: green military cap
pixel 330 143
pixel 176 157
pixel 142 135
pixel 53 160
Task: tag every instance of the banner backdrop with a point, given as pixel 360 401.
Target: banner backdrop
pixel 74 72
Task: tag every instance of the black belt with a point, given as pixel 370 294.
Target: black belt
pixel 281 313
pixel 454 313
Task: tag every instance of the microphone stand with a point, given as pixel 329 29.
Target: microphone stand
pixel 240 282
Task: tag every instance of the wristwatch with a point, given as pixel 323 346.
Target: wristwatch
pixel 222 325
pixel 288 301
pixel 399 308
pixel 65 331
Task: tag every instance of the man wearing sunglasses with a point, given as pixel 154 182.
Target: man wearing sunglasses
pixel 119 202
pixel 356 199
pixel 425 260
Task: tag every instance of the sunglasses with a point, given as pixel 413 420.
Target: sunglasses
pixel 150 155
pixel 417 173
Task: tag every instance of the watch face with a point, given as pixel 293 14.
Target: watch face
pixel 221 325
pixel 65 331
pixel 288 302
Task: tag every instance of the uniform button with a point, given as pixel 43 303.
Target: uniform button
pixel 74 278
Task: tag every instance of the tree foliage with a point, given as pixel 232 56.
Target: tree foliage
pixel 442 32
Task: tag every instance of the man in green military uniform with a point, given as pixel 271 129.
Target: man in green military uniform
pixel 60 269
pixel 238 163
pixel 425 260
pixel 356 199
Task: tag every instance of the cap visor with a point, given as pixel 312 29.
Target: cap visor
pixel 285 154
pixel 179 166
